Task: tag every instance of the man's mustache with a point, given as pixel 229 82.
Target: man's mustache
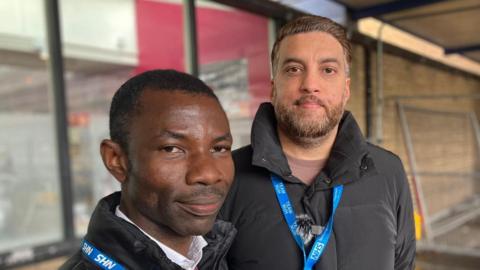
pixel 204 192
pixel 309 99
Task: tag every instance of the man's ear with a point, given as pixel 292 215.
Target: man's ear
pixel 114 159
pixel 272 89
pixel 346 96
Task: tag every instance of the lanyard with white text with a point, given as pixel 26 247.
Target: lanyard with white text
pixel 99 258
pixel 289 214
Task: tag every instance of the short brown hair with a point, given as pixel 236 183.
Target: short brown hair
pixel 311 23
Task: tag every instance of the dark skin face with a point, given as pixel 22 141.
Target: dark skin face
pixel 180 166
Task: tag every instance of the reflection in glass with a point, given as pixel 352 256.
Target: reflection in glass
pixel 30 212
pixel 233 53
pixel 100 41
pixel 88 98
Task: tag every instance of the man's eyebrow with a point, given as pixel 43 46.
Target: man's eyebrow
pixel 321 61
pixel 329 60
pixel 291 60
pixel 170 134
pixel 175 135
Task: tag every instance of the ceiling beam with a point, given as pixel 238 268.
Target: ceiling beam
pixel 378 10
pixel 464 49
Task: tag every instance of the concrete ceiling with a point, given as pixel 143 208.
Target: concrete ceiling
pixel 452 24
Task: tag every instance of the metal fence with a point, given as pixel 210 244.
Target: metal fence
pixel 443 150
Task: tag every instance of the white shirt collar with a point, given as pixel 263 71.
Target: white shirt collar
pixel 194 253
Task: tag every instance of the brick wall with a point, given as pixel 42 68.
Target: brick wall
pixel 442 142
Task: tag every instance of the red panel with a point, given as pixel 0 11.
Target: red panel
pixel 228 34
pixel 160 35
pixel 234 34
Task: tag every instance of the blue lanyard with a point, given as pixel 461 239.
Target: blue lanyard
pixel 289 215
pixel 98 258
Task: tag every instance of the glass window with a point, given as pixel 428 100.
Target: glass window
pixel 29 177
pixel 88 98
pixel 100 53
pixel 233 49
pixel 160 34
pixel 105 43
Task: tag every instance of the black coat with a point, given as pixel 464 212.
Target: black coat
pixel 373 225
pixel 127 245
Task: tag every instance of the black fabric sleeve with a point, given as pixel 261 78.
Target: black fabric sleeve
pixel 405 246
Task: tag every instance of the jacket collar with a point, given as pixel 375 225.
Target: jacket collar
pixel 219 239
pixel 344 165
pixel 135 250
pixel 267 150
pixel 113 235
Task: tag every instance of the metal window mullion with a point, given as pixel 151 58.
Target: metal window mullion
pixel 379 94
pixel 190 37
pixel 57 89
pixel 368 94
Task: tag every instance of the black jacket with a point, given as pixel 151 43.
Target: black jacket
pixel 127 245
pixel 373 225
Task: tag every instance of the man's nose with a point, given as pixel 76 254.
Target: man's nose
pixel 203 170
pixel 311 82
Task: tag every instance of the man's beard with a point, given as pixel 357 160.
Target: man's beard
pixel 302 130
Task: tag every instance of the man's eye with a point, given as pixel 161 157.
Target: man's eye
pixel 220 149
pixel 293 70
pixel 329 70
pixel 171 149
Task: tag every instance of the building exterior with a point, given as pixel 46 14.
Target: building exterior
pixel 51 175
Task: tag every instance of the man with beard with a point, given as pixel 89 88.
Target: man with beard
pixel 170 150
pixel 310 192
